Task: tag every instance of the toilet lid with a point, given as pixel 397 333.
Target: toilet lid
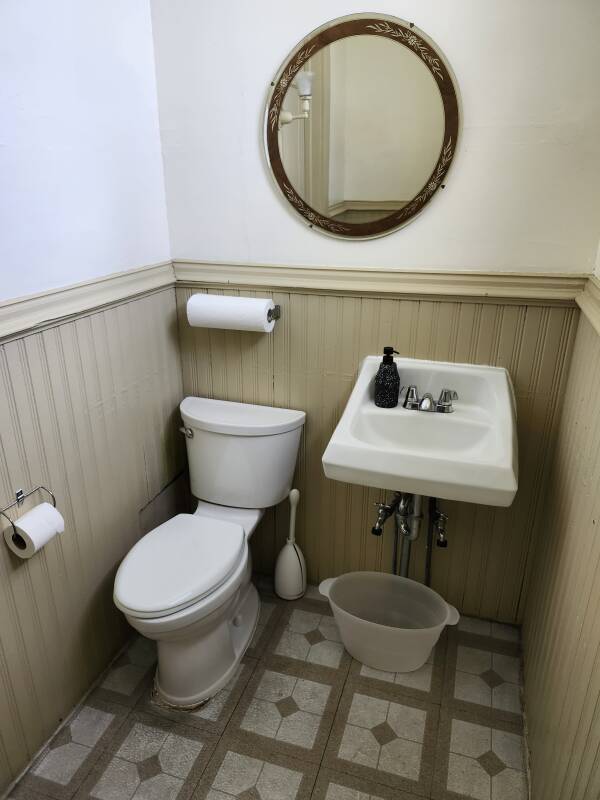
pixel 177 564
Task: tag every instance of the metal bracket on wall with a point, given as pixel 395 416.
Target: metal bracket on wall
pixel 274 313
pixel 20 498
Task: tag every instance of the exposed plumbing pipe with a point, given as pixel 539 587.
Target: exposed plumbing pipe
pixel 436 526
pixel 401 528
pixel 431 516
pixel 408 514
pixel 414 526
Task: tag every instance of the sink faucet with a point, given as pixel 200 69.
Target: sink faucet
pixel 427 403
pixel 443 405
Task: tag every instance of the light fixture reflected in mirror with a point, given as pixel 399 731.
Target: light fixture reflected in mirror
pixel 302 83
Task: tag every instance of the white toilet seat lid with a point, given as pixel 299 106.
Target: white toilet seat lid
pixel 177 564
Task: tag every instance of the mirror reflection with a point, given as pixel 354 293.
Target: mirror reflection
pixel 361 128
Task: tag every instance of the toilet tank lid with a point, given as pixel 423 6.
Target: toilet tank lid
pixel 239 419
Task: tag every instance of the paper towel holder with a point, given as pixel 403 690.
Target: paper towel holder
pixel 20 497
pixel 274 313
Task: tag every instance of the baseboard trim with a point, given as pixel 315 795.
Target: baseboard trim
pixel 589 302
pixel 544 288
pixel 24 314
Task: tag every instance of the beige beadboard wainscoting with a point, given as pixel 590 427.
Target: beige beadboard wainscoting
pixel 88 408
pixel 310 362
pixel 90 382
pixel 562 616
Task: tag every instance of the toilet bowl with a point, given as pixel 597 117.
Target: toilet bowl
pixel 187 583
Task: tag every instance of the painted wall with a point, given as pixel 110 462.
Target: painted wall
pixel 69 397
pixel 310 362
pixel 523 193
pixel 562 620
pixel 80 165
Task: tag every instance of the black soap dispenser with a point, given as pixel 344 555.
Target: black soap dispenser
pixel 387 381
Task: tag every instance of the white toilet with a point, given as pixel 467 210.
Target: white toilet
pixel 186 584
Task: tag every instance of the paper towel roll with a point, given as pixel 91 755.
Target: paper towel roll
pixel 230 313
pixel 33 530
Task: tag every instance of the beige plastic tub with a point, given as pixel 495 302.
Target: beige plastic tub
pixel 385 621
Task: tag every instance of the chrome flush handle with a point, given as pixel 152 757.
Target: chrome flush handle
pixel 187 432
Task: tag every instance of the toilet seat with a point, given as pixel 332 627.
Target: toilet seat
pixel 177 564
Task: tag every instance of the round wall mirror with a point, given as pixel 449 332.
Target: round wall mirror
pixel 361 125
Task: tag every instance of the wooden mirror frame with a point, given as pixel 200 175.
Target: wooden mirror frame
pixel 406 35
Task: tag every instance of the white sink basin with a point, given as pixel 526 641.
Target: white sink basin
pixel 469 454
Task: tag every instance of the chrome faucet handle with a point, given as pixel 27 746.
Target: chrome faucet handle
pixel 427 403
pixel 411 401
pixel 444 403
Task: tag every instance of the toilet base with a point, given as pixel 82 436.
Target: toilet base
pixel 193 668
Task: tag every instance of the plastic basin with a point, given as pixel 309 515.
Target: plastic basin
pixel 387 622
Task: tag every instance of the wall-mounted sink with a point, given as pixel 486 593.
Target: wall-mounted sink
pixel 469 454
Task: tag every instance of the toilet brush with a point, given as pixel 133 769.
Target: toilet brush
pixel 290 569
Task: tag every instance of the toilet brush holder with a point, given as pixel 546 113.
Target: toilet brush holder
pixel 290 568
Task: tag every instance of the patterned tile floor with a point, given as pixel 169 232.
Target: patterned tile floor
pixel 301 719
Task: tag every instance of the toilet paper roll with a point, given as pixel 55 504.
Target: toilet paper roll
pixel 230 313
pixel 33 530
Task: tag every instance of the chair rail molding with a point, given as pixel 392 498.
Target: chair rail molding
pixel 589 302
pixel 530 287
pixel 22 314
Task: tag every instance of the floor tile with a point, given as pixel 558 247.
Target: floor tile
pixel 381 738
pixel 307 633
pixel 22 793
pixel 288 710
pixel 151 759
pixel 480 627
pixel 300 710
pixel 478 760
pixel 425 682
pixel 241 770
pixel 63 765
pixel 313 593
pixel 498 636
pixel 508 633
pixel 212 716
pixel 311 637
pixel 484 679
pixel 130 675
pixel 333 785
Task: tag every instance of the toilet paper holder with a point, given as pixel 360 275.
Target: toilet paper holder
pixel 20 497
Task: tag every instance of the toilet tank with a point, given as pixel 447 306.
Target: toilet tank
pixel 239 454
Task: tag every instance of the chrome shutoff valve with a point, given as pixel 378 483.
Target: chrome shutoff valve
pixel 440 525
pixel 384 511
pixel 382 514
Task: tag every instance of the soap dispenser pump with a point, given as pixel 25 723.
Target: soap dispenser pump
pixel 387 381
